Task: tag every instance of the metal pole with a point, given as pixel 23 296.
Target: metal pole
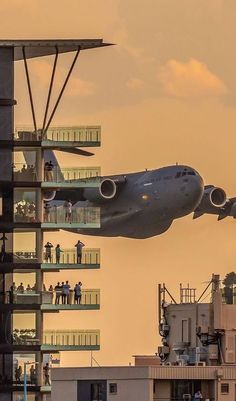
pixel 29 89
pixel 62 90
pixel 50 91
pixel 25 382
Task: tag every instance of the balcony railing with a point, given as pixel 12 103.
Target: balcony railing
pixel 71 337
pixel 81 134
pixel 69 256
pixel 90 256
pixel 79 215
pixel 72 174
pixel 25 212
pixel 29 297
pixel 58 338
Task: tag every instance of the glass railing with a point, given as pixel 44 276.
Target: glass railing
pixel 20 296
pixel 79 215
pixel 24 172
pixel 57 337
pixel 69 256
pixel 25 212
pixel 71 337
pixel 25 257
pixel 70 175
pixel 58 297
pixel 30 296
pixel 25 337
pixel 81 134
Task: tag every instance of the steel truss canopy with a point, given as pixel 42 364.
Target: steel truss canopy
pixel 40 48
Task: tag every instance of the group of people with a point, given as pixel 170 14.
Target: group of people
pixel 32 375
pixel 26 173
pixel 50 212
pixel 48 252
pixel 63 290
pixel 25 211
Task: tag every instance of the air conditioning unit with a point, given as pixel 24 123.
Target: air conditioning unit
pixel 200 363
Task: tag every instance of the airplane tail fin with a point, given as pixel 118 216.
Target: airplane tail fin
pixel 49 155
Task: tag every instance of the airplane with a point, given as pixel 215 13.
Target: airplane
pixel 144 204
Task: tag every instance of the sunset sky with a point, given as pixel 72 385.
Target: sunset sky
pixel 165 93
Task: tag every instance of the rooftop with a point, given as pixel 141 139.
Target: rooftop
pixel 47 47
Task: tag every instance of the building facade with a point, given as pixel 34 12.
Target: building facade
pixel 197 355
pixel 30 208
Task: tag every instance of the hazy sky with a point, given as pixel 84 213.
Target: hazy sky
pixel 165 93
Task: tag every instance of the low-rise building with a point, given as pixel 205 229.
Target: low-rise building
pixel 198 354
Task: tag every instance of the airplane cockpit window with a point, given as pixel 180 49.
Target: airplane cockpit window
pixel 191 173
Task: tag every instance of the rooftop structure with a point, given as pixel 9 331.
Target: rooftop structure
pixel 27 189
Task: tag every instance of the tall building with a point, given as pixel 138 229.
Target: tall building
pixel 30 206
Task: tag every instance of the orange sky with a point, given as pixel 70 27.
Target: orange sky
pixel 165 93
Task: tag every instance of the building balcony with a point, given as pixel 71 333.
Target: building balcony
pixel 56 217
pixel 50 300
pixel 71 340
pixel 68 260
pixel 83 177
pixel 61 137
pixel 90 300
pixel 57 178
pixel 59 340
pixel 81 217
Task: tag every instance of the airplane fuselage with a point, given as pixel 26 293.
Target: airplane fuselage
pixel 148 202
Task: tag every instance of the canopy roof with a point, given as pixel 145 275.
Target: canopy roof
pixel 39 48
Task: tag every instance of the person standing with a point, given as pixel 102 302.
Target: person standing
pixel 48 252
pixel 78 293
pixel 48 171
pixel 68 211
pixel 47 208
pixel 32 374
pixel 58 290
pixel 79 247
pixel 58 253
pixel 46 370
pixel 66 293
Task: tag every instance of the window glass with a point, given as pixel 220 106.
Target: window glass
pixel 113 388
pixel 224 388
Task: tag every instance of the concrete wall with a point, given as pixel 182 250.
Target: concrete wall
pixel 195 314
pixel 64 390
pixel 162 389
pixel 131 390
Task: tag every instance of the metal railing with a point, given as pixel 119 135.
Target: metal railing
pixel 80 134
pixel 69 256
pixel 71 174
pixel 71 337
pixel 79 215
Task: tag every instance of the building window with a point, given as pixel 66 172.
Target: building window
pixel 113 388
pixel 224 388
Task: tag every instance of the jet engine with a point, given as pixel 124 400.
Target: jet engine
pixel 106 191
pixel 213 196
pixel 49 195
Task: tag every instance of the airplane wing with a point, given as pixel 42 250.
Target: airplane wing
pixel 215 201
